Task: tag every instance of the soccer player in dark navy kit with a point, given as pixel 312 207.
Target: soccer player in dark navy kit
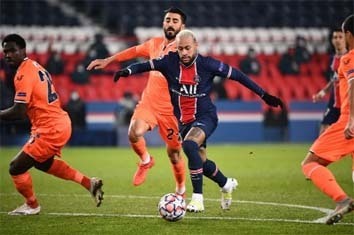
pixel 190 78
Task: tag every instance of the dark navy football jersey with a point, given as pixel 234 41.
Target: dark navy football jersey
pixel 190 86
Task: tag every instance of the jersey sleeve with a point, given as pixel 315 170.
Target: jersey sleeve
pixel 348 68
pixel 141 50
pixel 226 71
pixel 24 82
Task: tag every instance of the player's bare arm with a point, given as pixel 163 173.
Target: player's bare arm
pixel 319 95
pixel 16 112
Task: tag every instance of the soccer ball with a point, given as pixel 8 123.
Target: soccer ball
pixel 172 207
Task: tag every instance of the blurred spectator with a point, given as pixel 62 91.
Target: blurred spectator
pixel 7 94
pixel 219 91
pixel 288 64
pixel 98 49
pixel 302 55
pixel 55 64
pixel 80 75
pixel 7 74
pixel 125 109
pixel 76 109
pixel 277 119
pixel 250 64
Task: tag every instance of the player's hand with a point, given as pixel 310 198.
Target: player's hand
pixel 121 73
pixel 318 96
pixel 272 100
pixel 349 130
pixel 98 64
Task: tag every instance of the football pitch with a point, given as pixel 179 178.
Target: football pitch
pixel 272 197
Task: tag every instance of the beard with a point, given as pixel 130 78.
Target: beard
pixel 170 33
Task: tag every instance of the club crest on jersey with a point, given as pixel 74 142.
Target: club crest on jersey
pixel 19 78
pixel 346 61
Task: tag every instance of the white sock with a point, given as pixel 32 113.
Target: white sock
pixel 181 190
pixel 147 159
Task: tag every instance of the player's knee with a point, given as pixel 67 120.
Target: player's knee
pixel 190 146
pixel 308 168
pixel 44 166
pixel 134 134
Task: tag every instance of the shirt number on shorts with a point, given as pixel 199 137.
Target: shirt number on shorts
pixel 170 133
pixel 45 76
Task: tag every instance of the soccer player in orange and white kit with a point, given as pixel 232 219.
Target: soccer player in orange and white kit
pixel 35 97
pixel 338 140
pixel 154 108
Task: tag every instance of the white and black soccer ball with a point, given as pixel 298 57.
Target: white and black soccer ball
pixel 172 207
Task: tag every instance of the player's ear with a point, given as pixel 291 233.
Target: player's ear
pixel 183 26
pixel 23 52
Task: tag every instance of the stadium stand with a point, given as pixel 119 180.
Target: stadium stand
pixel 226 31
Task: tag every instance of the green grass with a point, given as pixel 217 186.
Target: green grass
pixel 269 178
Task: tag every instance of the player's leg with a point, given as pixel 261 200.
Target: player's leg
pixel 48 144
pixel 179 169
pixel 330 147
pixel 168 129
pixel 193 139
pixel 227 185
pixel 64 171
pixel 315 169
pixel 22 180
pixel 143 120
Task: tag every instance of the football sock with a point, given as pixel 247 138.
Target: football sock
pixel 323 179
pixel 195 165
pixel 62 170
pixel 140 149
pixel 212 172
pixel 23 184
pixel 180 175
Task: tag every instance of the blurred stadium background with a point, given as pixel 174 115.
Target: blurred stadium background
pixel 226 30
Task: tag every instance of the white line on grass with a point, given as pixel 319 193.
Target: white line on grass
pixel 316 221
pixel 187 217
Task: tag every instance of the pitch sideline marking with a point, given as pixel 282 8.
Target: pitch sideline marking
pixel 316 221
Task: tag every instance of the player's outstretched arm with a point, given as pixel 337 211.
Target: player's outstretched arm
pixel 124 55
pixel 16 112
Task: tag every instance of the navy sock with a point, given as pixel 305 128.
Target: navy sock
pixel 212 172
pixel 195 165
